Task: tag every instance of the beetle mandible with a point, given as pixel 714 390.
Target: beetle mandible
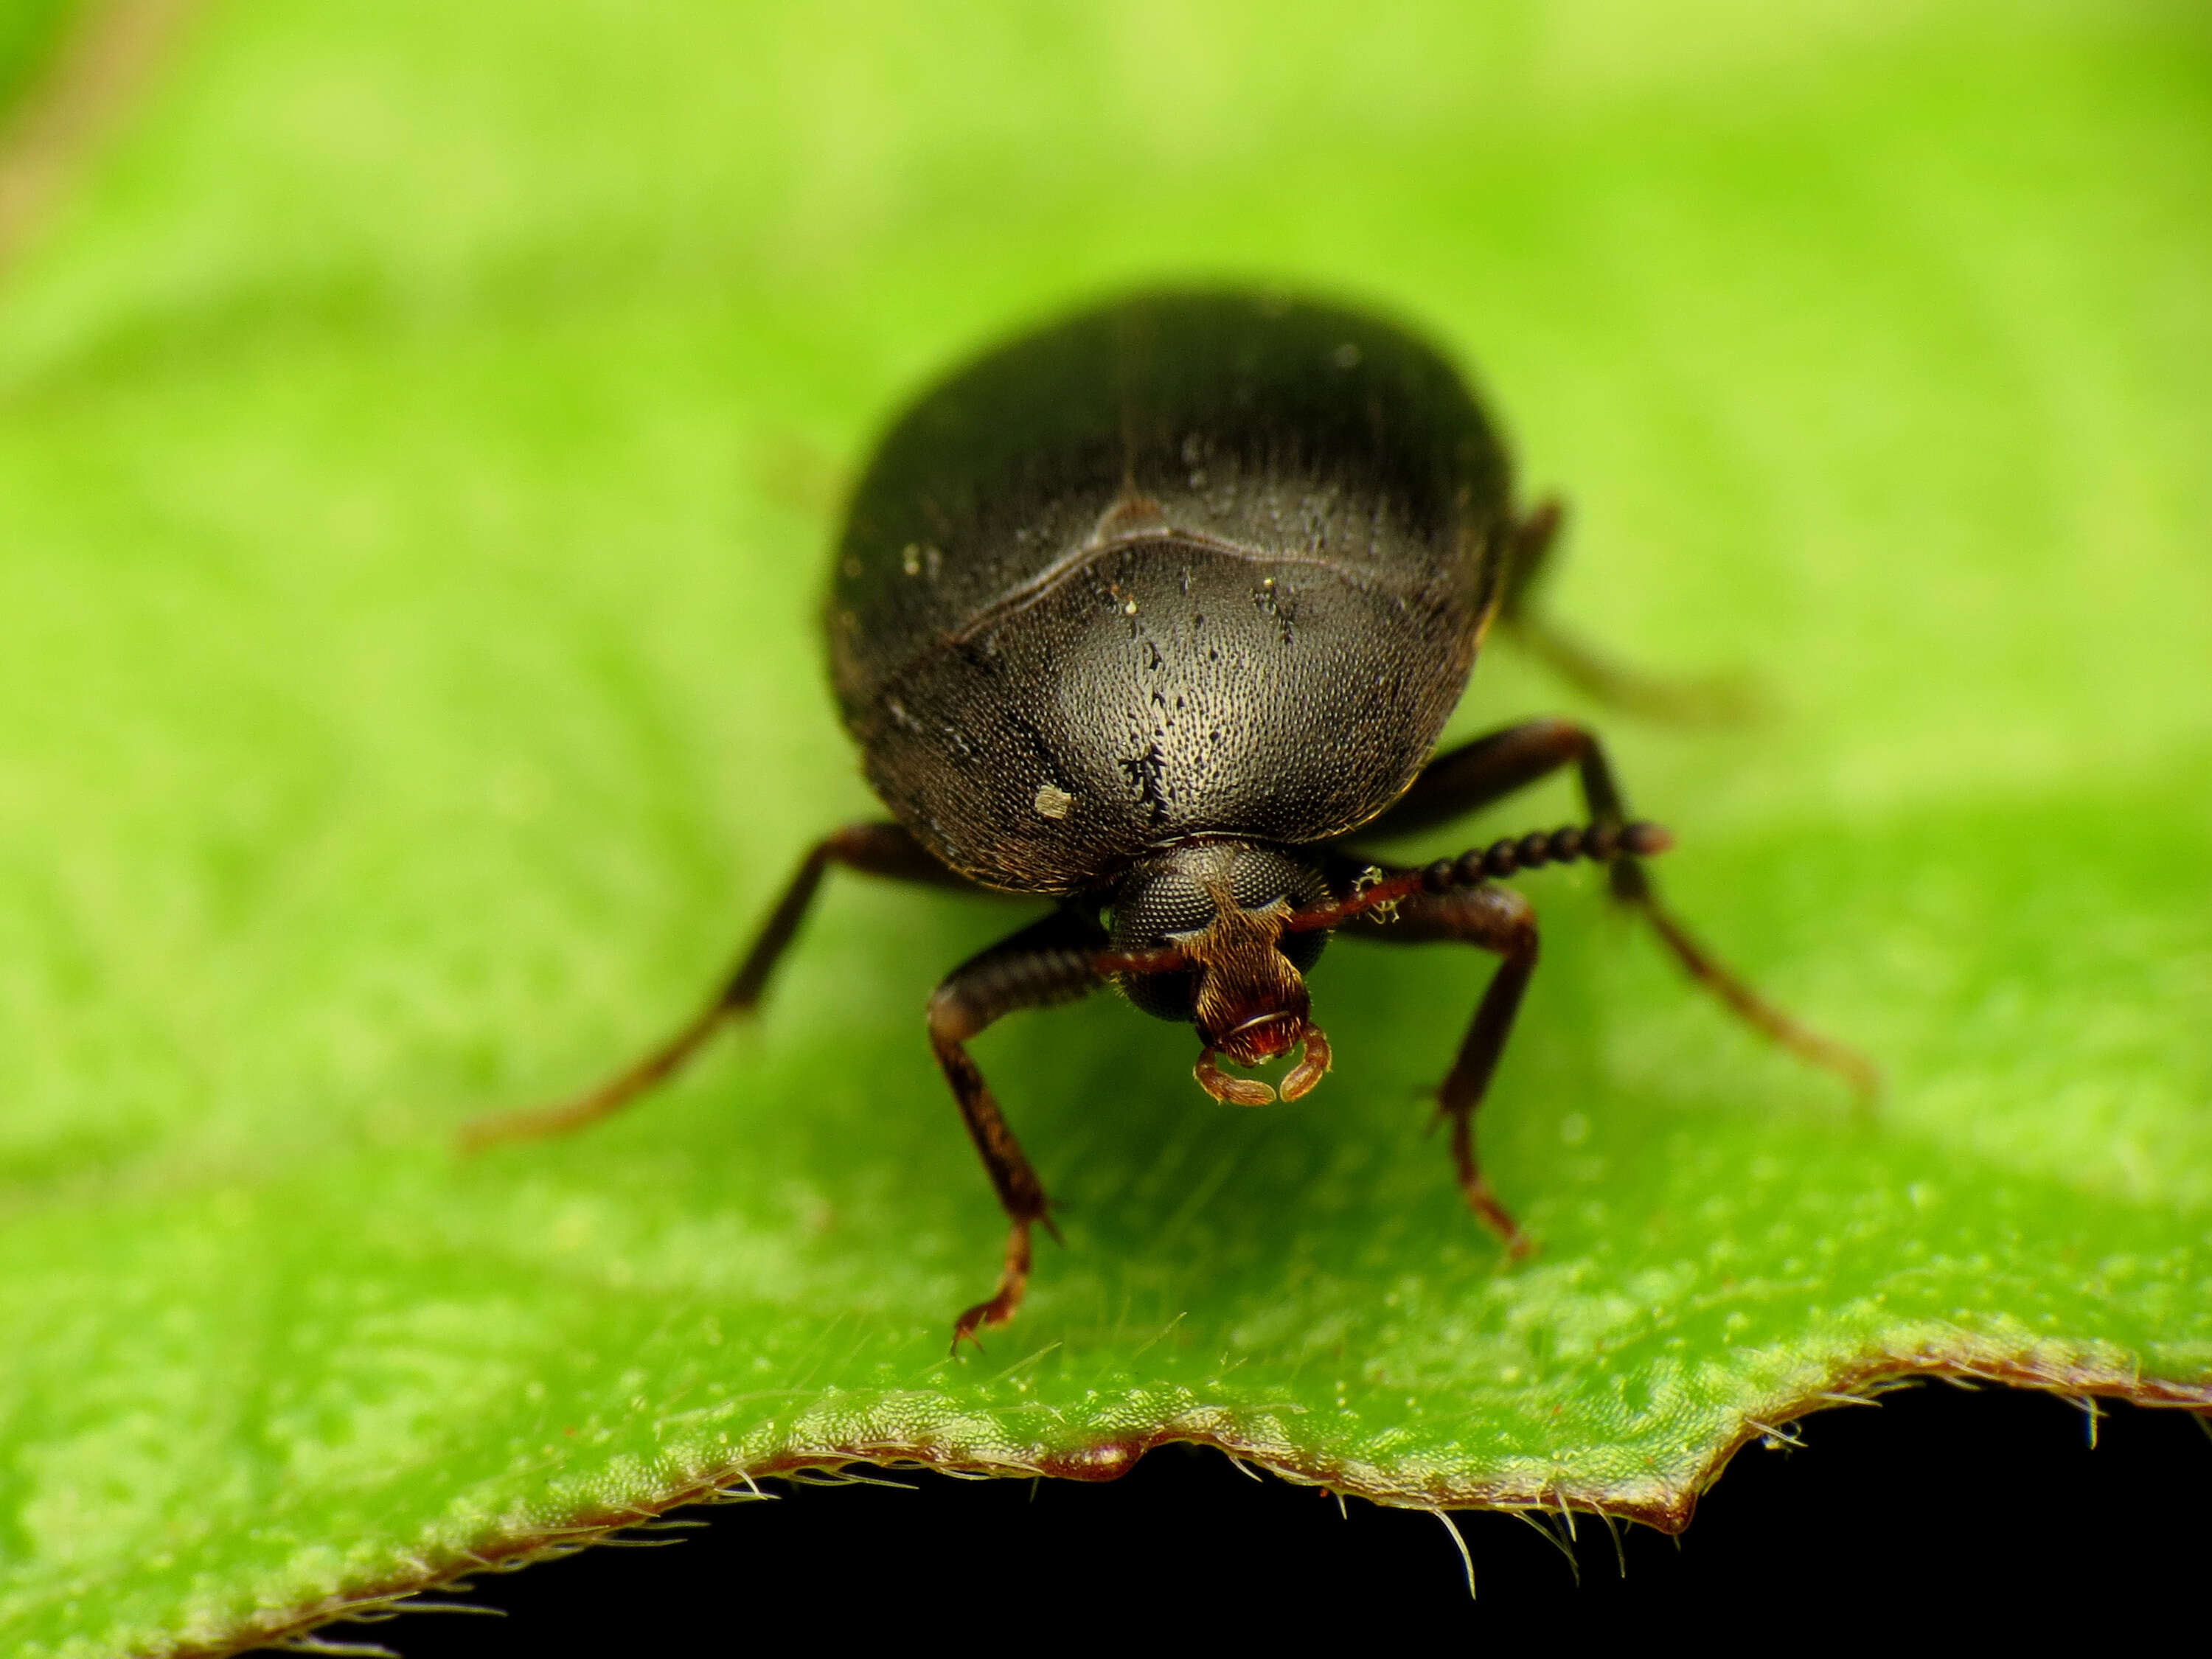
pixel 1153 612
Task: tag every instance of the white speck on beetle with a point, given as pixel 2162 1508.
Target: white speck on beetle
pixel 1128 607
pixel 1052 801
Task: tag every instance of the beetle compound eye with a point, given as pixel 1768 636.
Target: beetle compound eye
pixel 1155 904
pixel 1261 876
pixel 1176 893
pixel 1165 996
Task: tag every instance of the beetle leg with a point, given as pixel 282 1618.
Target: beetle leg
pixel 1495 919
pixel 1492 767
pixel 876 849
pixel 1707 701
pixel 1484 770
pixel 1048 963
pixel 1487 770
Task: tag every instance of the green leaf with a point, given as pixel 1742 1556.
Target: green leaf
pixel 29 31
pixel 413 433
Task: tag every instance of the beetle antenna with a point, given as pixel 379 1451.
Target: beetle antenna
pixel 1596 843
pixel 1166 959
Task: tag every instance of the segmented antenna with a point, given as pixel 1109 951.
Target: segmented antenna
pixel 1596 843
pixel 1600 843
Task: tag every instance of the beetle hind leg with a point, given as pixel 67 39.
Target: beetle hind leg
pixel 1715 700
pixel 1755 1011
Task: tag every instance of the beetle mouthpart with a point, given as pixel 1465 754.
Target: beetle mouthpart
pixel 1229 1091
pixel 1259 1040
pixel 1312 1066
pixel 1255 1042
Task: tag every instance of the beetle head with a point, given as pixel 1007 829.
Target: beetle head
pixel 1223 905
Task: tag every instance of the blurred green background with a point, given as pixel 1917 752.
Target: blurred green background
pixel 420 430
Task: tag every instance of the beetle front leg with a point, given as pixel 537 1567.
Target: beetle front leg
pixel 876 849
pixel 1495 919
pixel 1049 962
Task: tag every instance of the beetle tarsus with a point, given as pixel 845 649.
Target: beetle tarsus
pixel 1475 1187
pixel 1013 1280
pixel 1727 699
pixel 609 1098
pixel 1862 1076
pixel 1519 1246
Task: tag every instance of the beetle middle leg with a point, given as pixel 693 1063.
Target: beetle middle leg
pixel 1527 560
pixel 1049 962
pixel 876 849
pixel 1488 768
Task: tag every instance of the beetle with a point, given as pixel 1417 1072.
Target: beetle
pixel 1154 612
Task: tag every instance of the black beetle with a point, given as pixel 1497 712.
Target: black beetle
pixel 1150 612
